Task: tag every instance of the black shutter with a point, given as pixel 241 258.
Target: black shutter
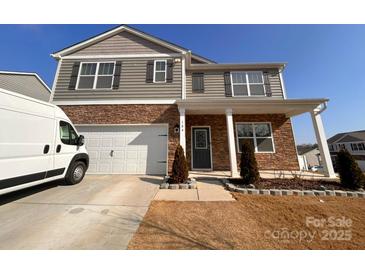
pixel 74 74
pixel 169 76
pixel 117 72
pixel 198 82
pixel 149 72
pixel 227 84
pixel 267 84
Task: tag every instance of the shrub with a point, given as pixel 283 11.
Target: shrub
pixel 351 175
pixel 180 171
pixel 248 165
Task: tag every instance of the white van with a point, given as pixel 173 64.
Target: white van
pixel 38 144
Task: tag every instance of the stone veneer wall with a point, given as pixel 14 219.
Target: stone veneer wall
pixel 285 157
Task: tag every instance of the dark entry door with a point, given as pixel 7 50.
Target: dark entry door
pixel 201 148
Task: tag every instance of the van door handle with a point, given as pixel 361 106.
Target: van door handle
pixel 46 149
pixel 111 153
pixel 58 149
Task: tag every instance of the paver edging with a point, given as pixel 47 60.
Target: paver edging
pixel 292 192
pixel 189 184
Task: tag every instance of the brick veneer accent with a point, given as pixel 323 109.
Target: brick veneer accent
pixel 129 114
pixel 284 158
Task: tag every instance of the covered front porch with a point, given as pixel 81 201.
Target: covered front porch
pixel 210 135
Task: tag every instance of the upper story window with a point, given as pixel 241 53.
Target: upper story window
pixel 259 135
pixel 159 71
pixel 247 83
pixel 96 75
pixel 358 146
pixel 197 82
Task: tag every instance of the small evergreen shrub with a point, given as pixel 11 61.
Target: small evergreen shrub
pixel 180 170
pixel 351 175
pixel 248 165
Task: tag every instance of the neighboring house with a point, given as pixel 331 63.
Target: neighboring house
pixel 26 83
pixel 353 142
pixel 309 156
pixel 135 97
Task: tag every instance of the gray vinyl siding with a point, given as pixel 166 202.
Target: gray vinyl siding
pixel 214 85
pixel 123 43
pixel 132 83
pixel 27 85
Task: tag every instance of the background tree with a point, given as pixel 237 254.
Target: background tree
pixel 351 175
pixel 180 170
pixel 248 165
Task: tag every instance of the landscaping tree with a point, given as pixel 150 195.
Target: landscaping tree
pixel 351 175
pixel 249 171
pixel 180 171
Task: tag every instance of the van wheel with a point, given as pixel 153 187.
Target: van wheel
pixel 76 173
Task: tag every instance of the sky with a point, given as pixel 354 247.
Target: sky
pixel 324 61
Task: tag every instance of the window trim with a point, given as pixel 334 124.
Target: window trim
pixel 254 137
pixel 247 83
pixel 154 71
pixel 95 76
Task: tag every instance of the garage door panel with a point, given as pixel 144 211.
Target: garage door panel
pixel 136 149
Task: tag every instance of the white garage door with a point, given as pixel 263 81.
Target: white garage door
pixel 126 149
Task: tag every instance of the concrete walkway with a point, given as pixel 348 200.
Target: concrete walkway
pixel 208 189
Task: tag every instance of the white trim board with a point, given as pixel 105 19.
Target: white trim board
pixel 116 56
pixel 74 102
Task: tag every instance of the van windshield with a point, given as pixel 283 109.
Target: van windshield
pixel 67 133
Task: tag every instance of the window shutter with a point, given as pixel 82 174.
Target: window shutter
pixel 149 72
pixel 169 76
pixel 267 84
pixel 198 82
pixel 117 72
pixel 74 74
pixel 227 84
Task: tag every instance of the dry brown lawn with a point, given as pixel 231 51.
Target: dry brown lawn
pixel 252 222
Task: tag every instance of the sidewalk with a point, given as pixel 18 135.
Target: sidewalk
pixel 207 190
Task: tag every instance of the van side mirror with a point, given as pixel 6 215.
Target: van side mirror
pixel 80 140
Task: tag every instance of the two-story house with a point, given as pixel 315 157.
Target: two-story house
pixel 353 142
pixel 135 97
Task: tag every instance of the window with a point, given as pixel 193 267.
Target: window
pixel 67 134
pixel 341 146
pixel 96 75
pixel 201 139
pixel 249 83
pixel 198 82
pixel 357 146
pixel 159 74
pixel 259 135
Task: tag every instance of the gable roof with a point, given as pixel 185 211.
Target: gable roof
pixel 352 136
pixel 303 149
pixel 26 83
pixel 109 33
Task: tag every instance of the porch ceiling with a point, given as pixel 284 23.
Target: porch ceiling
pixel 289 107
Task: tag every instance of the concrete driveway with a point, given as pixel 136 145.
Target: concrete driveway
pixel 102 212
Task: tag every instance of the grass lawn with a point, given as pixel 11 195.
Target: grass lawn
pixel 253 222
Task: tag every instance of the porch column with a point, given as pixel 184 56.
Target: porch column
pixel 182 129
pixel 322 144
pixel 231 143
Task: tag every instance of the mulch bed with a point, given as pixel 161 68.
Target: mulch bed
pixel 299 184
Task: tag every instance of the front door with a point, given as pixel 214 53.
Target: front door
pixel 201 148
